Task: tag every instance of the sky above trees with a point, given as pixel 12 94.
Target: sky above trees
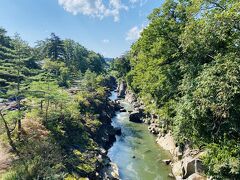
pixel 105 26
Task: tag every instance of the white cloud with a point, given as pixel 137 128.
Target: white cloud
pixel 94 8
pixel 141 2
pixel 134 33
pixel 105 41
pixel 133 1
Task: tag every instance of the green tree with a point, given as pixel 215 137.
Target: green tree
pixel 75 56
pixel 23 52
pixel 55 48
pixel 121 66
pixel 59 70
pixel 96 62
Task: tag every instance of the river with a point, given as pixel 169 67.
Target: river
pixel 136 152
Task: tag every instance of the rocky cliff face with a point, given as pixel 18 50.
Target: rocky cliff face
pixel 122 86
pixel 105 137
pixel 186 162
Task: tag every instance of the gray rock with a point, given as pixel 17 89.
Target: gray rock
pixel 130 97
pixel 122 89
pixel 103 151
pixel 170 175
pixel 167 161
pixel 114 172
pixel 178 153
pixel 118 131
pixel 191 166
pixel 177 169
pixel 123 110
pixel 196 176
pixel 135 117
pixel 110 172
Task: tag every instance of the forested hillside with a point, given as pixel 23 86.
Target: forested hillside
pixel 186 69
pixel 54 109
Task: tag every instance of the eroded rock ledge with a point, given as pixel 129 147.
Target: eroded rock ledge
pixel 186 161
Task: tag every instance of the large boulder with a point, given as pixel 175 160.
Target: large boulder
pixel 196 176
pixel 118 131
pixel 167 142
pixel 115 106
pixel 192 165
pixel 177 169
pixel 135 116
pixel 110 171
pixel 178 153
pixel 114 174
pixel 122 110
pixel 130 97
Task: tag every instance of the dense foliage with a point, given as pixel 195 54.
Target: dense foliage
pixel 53 104
pixel 186 68
pixel 120 66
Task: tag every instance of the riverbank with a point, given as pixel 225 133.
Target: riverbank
pixel 71 144
pixel 185 162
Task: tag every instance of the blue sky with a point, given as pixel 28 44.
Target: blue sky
pixel 108 27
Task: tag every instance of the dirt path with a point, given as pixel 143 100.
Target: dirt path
pixel 6 157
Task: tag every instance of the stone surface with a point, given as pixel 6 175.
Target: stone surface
pixel 147 121
pixel 118 131
pixel 110 172
pixel 196 176
pixel 167 142
pixel 130 97
pixel 177 169
pixel 191 165
pixel 135 116
pixel 188 167
pixel 167 161
pixel 122 89
pixel 114 173
pixel 170 175
pixel 123 110
pixel 178 153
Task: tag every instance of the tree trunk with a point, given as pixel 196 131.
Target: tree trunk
pixel 46 114
pixel 19 123
pixel 41 105
pixel 8 132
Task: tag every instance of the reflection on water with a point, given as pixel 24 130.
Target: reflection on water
pixel 135 151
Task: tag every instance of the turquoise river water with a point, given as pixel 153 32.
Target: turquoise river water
pixel 136 152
